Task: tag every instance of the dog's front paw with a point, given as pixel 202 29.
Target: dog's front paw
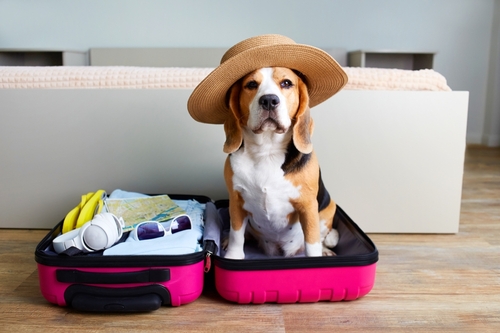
pixel 234 254
pixel 332 239
pixel 313 250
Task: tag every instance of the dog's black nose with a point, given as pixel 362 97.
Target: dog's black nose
pixel 269 102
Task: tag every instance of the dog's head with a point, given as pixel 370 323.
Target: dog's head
pixel 269 99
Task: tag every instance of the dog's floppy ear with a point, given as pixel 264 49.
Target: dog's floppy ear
pixel 303 126
pixel 232 127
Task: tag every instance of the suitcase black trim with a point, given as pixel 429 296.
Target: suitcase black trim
pixel 362 251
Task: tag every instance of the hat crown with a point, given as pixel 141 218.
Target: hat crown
pixel 253 42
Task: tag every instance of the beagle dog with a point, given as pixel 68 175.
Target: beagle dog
pixel 272 174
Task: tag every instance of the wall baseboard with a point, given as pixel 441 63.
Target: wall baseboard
pixel 491 140
pixel 474 138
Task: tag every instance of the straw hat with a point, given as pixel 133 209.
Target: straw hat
pixel 323 75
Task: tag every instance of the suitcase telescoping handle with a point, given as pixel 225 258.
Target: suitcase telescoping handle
pixel 144 276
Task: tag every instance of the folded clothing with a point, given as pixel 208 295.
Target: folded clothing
pixel 187 241
pixel 193 208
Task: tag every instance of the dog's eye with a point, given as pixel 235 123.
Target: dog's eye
pixel 286 84
pixel 252 85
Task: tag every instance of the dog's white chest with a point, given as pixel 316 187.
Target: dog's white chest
pixel 265 190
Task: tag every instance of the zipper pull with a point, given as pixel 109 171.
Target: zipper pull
pixel 210 248
pixel 208 262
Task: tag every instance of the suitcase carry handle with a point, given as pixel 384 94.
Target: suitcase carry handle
pixel 100 299
pixel 149 302
pixel 144 276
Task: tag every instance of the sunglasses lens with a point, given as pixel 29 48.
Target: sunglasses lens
pixel 149 231
pixel 180 223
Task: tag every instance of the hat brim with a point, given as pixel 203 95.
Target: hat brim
pixel 323 75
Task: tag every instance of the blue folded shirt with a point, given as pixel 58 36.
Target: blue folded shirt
pixel 184 242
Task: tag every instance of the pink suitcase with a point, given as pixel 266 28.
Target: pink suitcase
pixel 347 276
pixel 99 283
pixel 93 282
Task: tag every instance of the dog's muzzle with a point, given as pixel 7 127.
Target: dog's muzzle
pixel 269 118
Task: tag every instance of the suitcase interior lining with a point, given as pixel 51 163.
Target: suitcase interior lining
pixel 354 248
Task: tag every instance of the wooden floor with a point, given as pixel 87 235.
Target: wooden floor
pixel 424 283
